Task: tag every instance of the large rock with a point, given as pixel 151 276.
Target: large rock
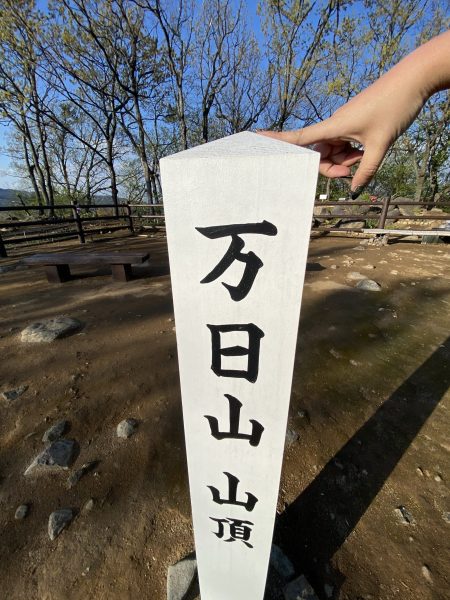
pixel 21 512
pixel 11 395
pixel 126 428
pixel 299 589
pixel 50 329
pixel 368 285
pixel 180 578
pixel 321 210
pixel 394 214
pixel 351 224
pixel 281 563
pixel 406 211
pixel 55 431
pixel 59 455
pixel 58 520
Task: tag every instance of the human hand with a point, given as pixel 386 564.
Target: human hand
pixel 374 118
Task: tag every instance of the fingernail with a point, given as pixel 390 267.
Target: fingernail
pixel 357 191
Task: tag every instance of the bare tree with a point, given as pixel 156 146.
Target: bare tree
pixel 23 94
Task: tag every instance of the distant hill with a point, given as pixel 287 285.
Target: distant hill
pixel 10 197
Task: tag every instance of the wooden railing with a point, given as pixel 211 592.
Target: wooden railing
pixel 153 215
pixel 385 205
pixel 59 227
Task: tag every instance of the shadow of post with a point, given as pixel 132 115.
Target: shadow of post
pixel 317 523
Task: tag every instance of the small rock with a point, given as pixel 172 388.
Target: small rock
pixel 334 267
pixel 55 431
pixel 368 285
pixel 88 506
pixel 75 477
pixel 419 472
pixel 299 589
pixel 427 573
pixel 59 455
pixel 303 414
pixel 438 478
pixel 281 563
pixel 355 276
pixel 404 515
pixel 11 395
pixel 50 329
pixel 328 589
pixel 335 353
pixel 291 437
pixel 126 428
pixel 21 512
pixel 394 272
pixel 180 578
pixel 446 517
pixel 368 266
pixel 58 520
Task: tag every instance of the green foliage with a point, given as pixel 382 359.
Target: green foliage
pixel 98 91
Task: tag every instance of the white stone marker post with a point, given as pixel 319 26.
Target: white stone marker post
pixel 238 216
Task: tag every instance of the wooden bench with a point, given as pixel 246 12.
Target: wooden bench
pixel 58 270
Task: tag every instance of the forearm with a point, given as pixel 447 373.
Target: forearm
pixel 377 116
pixel 427 68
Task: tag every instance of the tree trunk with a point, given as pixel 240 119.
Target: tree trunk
pixel 141 149
pixel 112 176
pixel 420 183
pixel 88 189
pixel 328 188
pixel 182 120
pixel 31 173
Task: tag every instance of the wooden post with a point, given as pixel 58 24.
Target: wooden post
pixel 130 220
pixel 79 222
pixel 3 253
pixel 384 212
pixel 237 256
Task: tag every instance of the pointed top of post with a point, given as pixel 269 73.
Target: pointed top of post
pixel 245 143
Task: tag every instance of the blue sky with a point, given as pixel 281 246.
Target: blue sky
pixel 10 180
pixel 7 177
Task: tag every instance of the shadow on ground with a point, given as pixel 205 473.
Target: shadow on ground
pixel 313 528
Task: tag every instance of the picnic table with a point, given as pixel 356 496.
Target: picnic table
pixel 57 265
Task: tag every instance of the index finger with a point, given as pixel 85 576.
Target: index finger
pixel 320 132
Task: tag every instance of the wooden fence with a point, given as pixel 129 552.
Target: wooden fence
pixel 75 226
pixel 149 216
pixel 380 217
pixel 377 215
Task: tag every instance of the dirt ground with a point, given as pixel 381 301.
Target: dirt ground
pixel 370 407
